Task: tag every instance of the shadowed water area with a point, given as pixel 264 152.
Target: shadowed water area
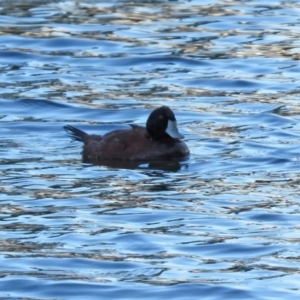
pixel 223 224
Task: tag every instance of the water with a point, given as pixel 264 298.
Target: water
pixel 223 224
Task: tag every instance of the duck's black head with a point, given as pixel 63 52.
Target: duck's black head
pixel 162 123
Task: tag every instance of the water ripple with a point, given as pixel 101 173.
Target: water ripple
pixel 223 223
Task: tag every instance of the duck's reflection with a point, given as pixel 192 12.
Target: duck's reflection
pixel 164 165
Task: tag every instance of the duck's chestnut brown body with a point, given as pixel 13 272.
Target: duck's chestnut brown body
pixel 159 140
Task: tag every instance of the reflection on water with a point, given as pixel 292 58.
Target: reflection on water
pixel 223 223
pixel 171 166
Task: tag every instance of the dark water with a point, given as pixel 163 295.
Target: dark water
pixel 223 224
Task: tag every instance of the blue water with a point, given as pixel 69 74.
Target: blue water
pixel 223 224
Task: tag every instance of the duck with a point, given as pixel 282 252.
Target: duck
pixel 159 140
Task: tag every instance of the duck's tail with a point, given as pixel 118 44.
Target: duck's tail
pixel 75 134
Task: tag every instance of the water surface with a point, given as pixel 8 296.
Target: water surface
pixel 223 224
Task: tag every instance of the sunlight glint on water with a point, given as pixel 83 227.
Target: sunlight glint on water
pixel 223 224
